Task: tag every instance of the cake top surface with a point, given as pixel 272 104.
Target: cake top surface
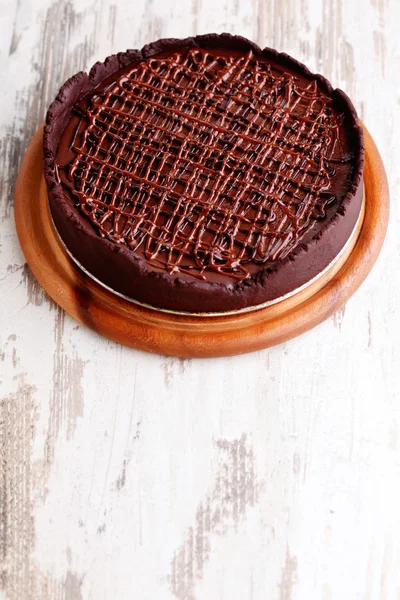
pixel 207 162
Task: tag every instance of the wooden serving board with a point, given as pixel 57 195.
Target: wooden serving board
pixel 187 335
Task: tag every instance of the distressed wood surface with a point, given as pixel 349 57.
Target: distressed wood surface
pixel 274 475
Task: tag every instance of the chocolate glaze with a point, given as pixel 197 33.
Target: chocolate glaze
pixel 203 174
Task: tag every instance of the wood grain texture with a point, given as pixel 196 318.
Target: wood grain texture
pixel 191 336
pixel 127 475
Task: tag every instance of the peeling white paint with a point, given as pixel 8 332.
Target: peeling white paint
pixel 110 457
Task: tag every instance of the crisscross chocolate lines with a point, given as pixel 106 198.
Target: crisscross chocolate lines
pixel 205 162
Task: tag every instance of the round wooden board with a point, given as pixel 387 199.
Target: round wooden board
pixel 184 335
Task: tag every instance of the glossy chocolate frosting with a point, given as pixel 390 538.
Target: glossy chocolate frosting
pixel 203 174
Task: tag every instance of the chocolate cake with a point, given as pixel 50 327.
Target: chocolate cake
pixel 204 174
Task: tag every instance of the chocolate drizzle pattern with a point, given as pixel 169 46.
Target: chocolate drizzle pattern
pixel 204 161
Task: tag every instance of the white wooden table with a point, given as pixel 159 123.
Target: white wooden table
pixel 270 476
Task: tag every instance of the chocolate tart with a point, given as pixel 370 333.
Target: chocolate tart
pixel 204 174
